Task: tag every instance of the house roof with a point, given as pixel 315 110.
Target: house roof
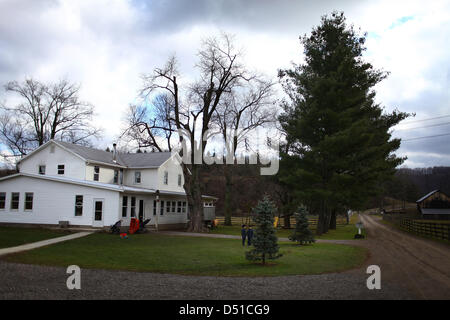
pixel 99 185
pixel 93 184
pixel 427 195
pixel 130 160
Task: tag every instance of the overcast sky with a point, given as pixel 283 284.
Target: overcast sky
pixel 107 44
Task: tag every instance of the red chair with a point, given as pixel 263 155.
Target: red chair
pixel 134 225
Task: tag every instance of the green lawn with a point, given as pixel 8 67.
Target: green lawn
pixel 16 236
pixel 342 232
pixel 190 255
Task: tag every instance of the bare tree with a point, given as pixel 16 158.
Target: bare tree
pixel 238 114
pixel 45 111
pixel 190 109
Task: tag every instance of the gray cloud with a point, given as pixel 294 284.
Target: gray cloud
pixel 264 15
pixel 105 45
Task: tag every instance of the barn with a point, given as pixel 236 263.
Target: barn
pixel 434 205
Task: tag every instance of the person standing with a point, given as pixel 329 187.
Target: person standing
pixel 249 235
pixel 243 234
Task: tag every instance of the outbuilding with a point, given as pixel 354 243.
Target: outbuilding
pixel 434 205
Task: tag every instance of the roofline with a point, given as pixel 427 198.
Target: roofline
pixel 171 156
pixel 90 160
pixel 92 184
pixel 106 164
pixel 45 145
pixel 63 180
pixel 429 194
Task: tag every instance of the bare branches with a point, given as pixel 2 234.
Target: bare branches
pixel 47 111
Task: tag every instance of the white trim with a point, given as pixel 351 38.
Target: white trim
pixel 98 223
pixel 34 151
pixel 94 162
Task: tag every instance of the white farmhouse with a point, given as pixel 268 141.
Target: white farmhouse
pixel 63 182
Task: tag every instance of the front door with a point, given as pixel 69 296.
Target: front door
pixel 141 210
pixel 98 213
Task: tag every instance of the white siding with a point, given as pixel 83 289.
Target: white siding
pixel 74 167
pixel 149 178
pixel 55 201
pixel 106 173
pixel 173 169
pixel 166 218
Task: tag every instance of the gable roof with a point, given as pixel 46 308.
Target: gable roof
pixel 427 195
pixel 130 160
pixel 99 185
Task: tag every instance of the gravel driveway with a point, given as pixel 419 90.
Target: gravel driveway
pixel 411 268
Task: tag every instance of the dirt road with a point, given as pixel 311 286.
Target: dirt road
pixel 419 265
pixel 411 268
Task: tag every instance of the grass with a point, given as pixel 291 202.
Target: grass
pixel 16 236
pixel 190 256
pixel 342 232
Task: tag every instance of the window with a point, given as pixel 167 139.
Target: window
pixel 96 173
pixel 184 207
pixel 41 169
pixel 166 177
pixel 179 207
pixel 15 200
pixel 60 169
pixel 28 201
pixel 121 176
pixel 124 206
pixel 168 210
pixel 133 207
pixel 162 208
pixel 78 205
pixel 154 207
pixel 116 176
pixel 137 177
pixel 2 200
pixel 52 149
pixel 174 204
pixel 179 180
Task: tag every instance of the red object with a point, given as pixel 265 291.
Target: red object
pixel 134 225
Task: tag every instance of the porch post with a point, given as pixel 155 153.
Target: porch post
pixel 158 208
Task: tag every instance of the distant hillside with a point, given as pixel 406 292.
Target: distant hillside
pixel 428 179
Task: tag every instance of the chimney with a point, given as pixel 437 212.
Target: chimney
pixel 114 152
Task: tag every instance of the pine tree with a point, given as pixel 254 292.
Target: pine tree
pixel 338 138
pixel 265 240
pixel 301 233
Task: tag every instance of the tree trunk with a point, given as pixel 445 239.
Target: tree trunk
pixel 320 220
pixel 228 202
pixel 287 221
pixel 333 220
pixel 195 201
pixel 327 220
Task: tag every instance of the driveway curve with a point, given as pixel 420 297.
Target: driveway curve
pixel 411 268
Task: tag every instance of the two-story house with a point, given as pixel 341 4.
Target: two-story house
pixel 60 181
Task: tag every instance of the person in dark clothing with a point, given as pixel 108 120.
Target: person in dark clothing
pixel 243 234
pixel 249 235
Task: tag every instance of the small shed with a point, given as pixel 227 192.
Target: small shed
pixel 434 205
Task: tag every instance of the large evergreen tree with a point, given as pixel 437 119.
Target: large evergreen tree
pixel 301 233
pixel 265 240
pixel 338 137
